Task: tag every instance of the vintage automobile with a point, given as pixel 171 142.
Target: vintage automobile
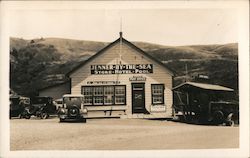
pixel 17 105
pixel 72 108
pixel 206 103
pixel 223 111
pixel 40 107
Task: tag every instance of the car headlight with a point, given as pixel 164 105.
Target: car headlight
pixel 62 111
pixel 85 111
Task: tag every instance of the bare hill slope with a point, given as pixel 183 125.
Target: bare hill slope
pixel 38 63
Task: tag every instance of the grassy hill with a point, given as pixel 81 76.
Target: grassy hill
pixel 38 63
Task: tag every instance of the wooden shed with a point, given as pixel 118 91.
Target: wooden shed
pixel 56 91
pixel 203 101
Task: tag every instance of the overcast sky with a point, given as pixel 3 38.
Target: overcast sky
pixel 160 26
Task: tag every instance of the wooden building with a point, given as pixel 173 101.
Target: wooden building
pixel 56 91
pixel 122 80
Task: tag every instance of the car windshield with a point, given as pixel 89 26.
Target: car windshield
pixel 39 100
pixel 72 101
pixel 58 101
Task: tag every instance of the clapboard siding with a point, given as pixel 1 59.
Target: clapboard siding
pixel 57 91
pixel 124 54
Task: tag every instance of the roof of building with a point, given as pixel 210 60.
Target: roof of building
pixel 72 95
pixel 171 72
pixel 204 86
pixel 54 85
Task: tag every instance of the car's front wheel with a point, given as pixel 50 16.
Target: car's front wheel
pixel 74 111
pixel 218 117
pixel 27 116
pixel 44 115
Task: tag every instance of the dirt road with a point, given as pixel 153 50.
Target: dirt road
pixel 118 134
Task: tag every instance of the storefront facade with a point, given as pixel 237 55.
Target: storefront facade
pixel 122 80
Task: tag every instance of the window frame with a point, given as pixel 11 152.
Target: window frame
pixel 162 95
pixel 125 94
pixel 103 95
pixel 113 88
pixel 82 92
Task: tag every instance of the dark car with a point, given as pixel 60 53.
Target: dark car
pixel 223 112
pixel 40 107
pixel 72 108
pixel 17 105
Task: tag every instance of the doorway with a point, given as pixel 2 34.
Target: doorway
pixel 138 98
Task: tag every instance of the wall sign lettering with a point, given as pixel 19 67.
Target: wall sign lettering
pixel 137 78
pixel 121 69
pixel 158 108
pixel 103 82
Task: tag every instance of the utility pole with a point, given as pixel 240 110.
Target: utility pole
pixel 186 77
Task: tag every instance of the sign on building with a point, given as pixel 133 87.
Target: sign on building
pixel 122 69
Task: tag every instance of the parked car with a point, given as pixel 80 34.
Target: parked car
pixel 223 111
pixel 17 105
pixel 41 107
pixel 72 108
pixel 58 103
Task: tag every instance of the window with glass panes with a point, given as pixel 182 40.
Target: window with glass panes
pixel 104 95
pixel 98 95
pixel 108 95
pixel 120 96
pixel 157 94
pixel 88 95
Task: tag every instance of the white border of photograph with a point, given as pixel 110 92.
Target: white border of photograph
pixel 243 35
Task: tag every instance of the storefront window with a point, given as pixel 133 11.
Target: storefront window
pixel 120 95
pixel 108 95
pixel 98 95
pixel 104 95
pixel 88 95
pixel 157 94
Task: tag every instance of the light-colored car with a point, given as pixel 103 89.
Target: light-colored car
pixel 72 108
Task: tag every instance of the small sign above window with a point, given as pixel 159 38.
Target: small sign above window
pixel 137 78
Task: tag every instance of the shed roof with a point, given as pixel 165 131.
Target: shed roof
pixel 204 86
pixel 171 72
pixel 54 85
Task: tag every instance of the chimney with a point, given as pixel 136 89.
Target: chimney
pixel 120 34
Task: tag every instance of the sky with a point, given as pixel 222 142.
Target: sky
pixel 161 26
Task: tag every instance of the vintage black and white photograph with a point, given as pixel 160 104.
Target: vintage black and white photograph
pixel 125 76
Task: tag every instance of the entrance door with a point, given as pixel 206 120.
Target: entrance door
pixel 138 98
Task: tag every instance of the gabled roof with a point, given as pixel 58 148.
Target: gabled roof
pixel 203 86
pixel 129 44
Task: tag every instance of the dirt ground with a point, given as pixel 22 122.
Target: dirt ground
pixel 118 134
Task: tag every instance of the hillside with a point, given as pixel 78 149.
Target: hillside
pixel 38 63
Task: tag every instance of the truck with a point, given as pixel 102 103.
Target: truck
pixel 206 103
